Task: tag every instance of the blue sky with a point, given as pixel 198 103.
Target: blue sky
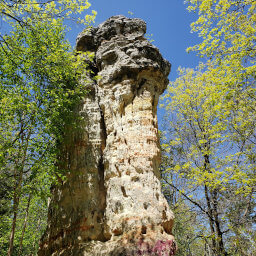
pixel 167 20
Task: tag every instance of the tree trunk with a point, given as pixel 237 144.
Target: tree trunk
pixel 212 204
pixel 219 238
pixel 18 178
pixel 37 229
pixel 15 210
pixel 211 218
pixel 24 226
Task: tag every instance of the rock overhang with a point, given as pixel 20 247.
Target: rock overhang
pixel 120 48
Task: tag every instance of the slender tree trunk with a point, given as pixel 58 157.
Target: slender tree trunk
pixel 15 210
pixel 220 244
pixel 18 178
pixel 24 225
pixel 211 222
pixel 16 200
pixel 37 229
pixel 212 204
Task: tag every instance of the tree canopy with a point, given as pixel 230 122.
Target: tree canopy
pixel 211 139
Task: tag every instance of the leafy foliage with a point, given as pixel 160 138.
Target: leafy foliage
pixel 210 142
pixel 39 89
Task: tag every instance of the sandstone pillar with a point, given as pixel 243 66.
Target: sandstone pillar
pixel 111 202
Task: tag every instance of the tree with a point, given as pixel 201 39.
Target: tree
pixel 199 150
pixel 38 90
pixel 187 234
pixel 210 141
pixel 212 129
pixel 229 41
pixel 194 137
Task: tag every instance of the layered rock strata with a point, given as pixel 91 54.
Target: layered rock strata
pixel 111 202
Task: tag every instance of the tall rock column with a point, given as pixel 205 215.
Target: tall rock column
pixel 125 213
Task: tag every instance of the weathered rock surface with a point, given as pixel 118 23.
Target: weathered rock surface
pixel 111 202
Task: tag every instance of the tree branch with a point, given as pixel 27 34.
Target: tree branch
pixel 189 199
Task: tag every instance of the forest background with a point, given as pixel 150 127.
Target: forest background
pixel 207 120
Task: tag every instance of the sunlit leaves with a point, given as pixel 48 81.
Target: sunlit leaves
pixel 211 139
pixel 39 89
pixel 30 11
pixel 227 27
pixel 210 119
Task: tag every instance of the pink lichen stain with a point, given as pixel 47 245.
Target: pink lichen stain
pixel 164 248
pixel 161 248
pixel 144 247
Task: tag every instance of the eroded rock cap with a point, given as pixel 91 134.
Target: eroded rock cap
pixel 90 39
